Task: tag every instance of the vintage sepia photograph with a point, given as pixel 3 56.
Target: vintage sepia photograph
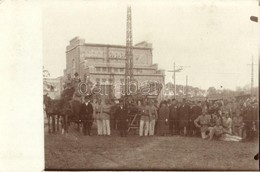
pixel 149 85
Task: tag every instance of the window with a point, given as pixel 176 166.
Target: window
pixel 103 80
pixel 104 69
pixel 115 69
pixel 121 69
pixel 139 71
pixel 98 69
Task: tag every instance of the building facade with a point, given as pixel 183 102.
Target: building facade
pixel 103 63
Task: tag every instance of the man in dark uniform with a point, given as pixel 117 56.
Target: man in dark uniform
pixel 87 116
pixel 195 112
pixel 121 114
pixel 255 118
pixel 173 118
pixel 113 109
pixel 248 120
pixel 184 115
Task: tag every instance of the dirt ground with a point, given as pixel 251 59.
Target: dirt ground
pixel 79 152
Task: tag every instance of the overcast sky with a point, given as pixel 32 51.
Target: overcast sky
pixel 216 39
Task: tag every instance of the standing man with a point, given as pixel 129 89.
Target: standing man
pixel 113 110
pixel 184 117
pixel 87 116
pixel 153 116
pixel 98 117
pixel 249 121
pixel 105 117
pixel 144 120
pixel 121 114
pixel 163 118
pixel 196 111
pixel 173 117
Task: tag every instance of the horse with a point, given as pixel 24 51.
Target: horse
pixel 67 108
pixel 52 108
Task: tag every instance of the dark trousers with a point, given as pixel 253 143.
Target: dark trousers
pixel 173 126
pixel 87 127
pixel 192 129
pixel 249 131
pixel 123 133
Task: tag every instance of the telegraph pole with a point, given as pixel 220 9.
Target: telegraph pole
pixel 252 76
pixel 174 80
pixel 180 68
pixel 186 86
pixel 254 19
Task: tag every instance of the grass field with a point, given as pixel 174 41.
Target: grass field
pixel 79 152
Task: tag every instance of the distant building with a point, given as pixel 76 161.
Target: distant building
pixel 103 63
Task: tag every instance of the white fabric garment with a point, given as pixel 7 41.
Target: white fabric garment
pixel 144 128
pixel 106 127
pixel 151 127
pixel 99 127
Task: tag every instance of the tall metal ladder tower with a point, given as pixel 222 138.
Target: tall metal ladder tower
pixel 129 51
pixel 129 76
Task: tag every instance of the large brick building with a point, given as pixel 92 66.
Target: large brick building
pixel 106 63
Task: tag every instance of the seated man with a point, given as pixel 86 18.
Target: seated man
pixel 204 124
pixel 227 122
pixel 222 134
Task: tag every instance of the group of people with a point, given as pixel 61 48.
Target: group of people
pixel 221 119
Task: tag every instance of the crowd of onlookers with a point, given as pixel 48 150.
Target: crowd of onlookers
pixel 229 120
pixel 224 119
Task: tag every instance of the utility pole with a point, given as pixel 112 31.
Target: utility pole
pixel 180 68
pixel 254 19
pixel 186 86
pixel 252 76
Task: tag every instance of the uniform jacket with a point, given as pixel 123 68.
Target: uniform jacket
pixel 184 112
pixel 122 118
pixel 174 110
pixel 163 113
pixel 86 111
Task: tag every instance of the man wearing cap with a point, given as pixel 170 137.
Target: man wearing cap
pixel 86 113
